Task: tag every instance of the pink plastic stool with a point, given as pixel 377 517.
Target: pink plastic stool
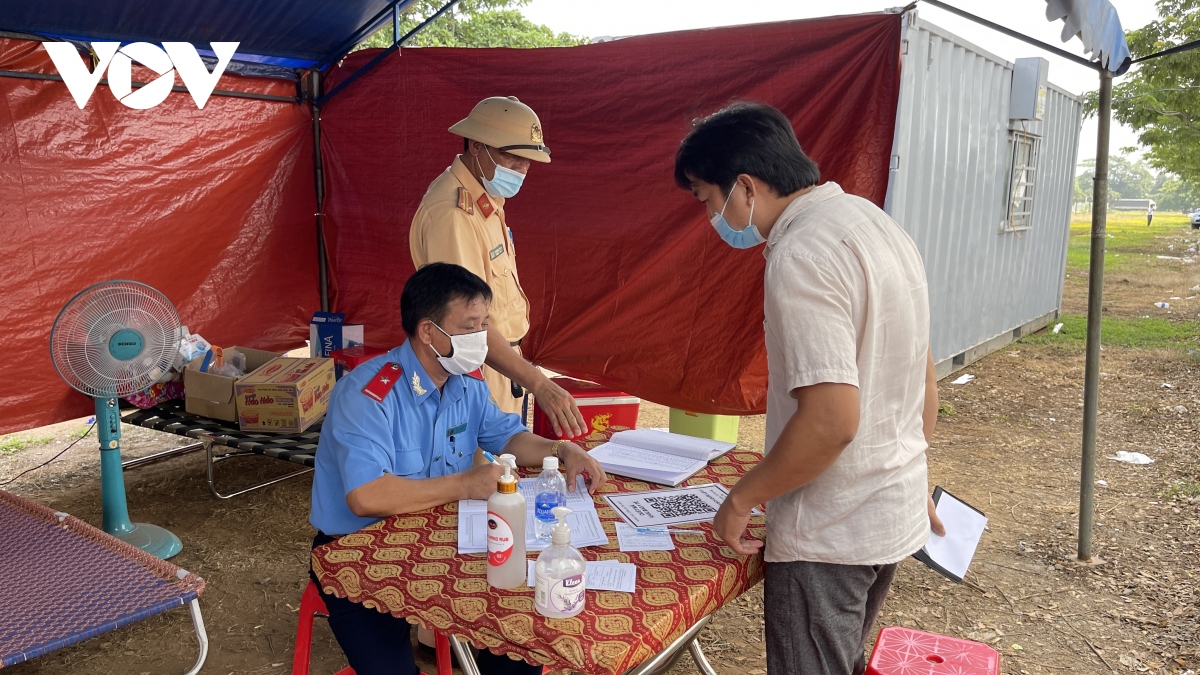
pixel 904 651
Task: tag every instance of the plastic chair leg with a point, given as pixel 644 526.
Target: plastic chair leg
pixel 311 605
pixel 441 646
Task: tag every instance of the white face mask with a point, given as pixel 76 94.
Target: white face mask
pixel 467 352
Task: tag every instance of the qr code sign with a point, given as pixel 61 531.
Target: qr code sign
pixel 680 506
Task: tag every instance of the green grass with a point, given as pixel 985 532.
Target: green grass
pixel 1150 333
pixel 79 433
pixel 11 445
pixel 1131 244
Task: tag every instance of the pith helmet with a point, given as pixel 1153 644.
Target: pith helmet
pixel 507 124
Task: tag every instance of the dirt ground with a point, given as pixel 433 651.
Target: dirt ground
pixel 1007 442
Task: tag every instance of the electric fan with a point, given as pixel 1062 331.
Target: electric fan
pixel 115 339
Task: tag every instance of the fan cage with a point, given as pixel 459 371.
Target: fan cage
pixel 79 340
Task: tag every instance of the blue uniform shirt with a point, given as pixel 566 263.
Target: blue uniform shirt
pixel 416 432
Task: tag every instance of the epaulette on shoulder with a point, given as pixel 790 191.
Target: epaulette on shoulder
pixel 381 385
pixel 464 201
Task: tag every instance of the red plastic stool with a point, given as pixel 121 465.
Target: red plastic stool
pixel 311 605
pixel 904 651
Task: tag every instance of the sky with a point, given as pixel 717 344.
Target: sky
pixel 595 18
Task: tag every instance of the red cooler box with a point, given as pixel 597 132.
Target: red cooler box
pixel 347 359
pixel 603 408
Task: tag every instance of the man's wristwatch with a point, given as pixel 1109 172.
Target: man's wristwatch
pixel 554 449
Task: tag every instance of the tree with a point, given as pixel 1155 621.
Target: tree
pixel 1160 98
pixel 473 23
pixel 1177 195
pixel 1126 179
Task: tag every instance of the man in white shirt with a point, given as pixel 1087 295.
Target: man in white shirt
pixel 852 395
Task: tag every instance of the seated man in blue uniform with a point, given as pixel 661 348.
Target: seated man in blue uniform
pixel 399 437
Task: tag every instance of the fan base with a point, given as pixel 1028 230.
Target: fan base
pixel 152 539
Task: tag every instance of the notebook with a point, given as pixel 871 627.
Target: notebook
pixel 657 456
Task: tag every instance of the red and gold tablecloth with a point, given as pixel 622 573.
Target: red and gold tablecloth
pixel 409 565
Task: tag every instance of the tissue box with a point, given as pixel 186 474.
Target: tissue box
pixel 285 394
pixel 329 332
pixel 210 395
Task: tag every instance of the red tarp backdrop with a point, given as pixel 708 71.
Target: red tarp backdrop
pixel 627 282
pixel 213 207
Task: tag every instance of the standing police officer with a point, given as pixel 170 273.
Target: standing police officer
pixel 461 220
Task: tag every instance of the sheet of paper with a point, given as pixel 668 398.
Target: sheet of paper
pixel 602 575
pixel 964 527
pixel 656 508
pixel 577 500
pixel 632 540
pixel 586 530
pixel 472 532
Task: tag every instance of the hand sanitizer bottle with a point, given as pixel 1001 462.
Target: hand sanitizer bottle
pixel 506 531
pixel 551 491
pixel 561 573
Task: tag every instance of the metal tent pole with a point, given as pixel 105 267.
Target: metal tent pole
pixel 1091 383
pixel 315 78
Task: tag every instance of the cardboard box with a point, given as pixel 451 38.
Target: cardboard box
pixel 602 408
pixel 346 360
pixel 285 395
pixel 210 395
pixel 329 332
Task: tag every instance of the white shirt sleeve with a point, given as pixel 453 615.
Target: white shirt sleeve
pixel 809 307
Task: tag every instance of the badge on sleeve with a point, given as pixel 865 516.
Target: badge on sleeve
pixel 485 206
pixel 380 385
pixel 464 201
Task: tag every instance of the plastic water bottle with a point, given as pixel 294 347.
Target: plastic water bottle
pixel 551 492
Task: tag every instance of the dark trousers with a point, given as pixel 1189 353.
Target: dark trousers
pixel 376 643
pixel 819 615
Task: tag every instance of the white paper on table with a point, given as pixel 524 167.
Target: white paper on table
pixel 577 500
pixel 964 525
pixel 656 508
pixel 602 575
pixel 586 529
pixel 631 540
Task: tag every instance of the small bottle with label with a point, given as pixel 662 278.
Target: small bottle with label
pixel 506 530
pixel 561 573
pixel 551 491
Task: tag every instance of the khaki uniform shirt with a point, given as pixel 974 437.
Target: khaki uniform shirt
pixel 846 301
pixel 458 222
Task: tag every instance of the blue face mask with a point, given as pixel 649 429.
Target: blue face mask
pixel 504 183
pixel 747 237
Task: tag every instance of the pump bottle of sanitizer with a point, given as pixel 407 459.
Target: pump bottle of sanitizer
pixel 506 530
pixel 561 573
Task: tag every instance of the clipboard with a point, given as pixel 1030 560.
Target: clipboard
pixel 950 555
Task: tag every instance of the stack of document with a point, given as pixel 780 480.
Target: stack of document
pixel 586 529
pixel 657 456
